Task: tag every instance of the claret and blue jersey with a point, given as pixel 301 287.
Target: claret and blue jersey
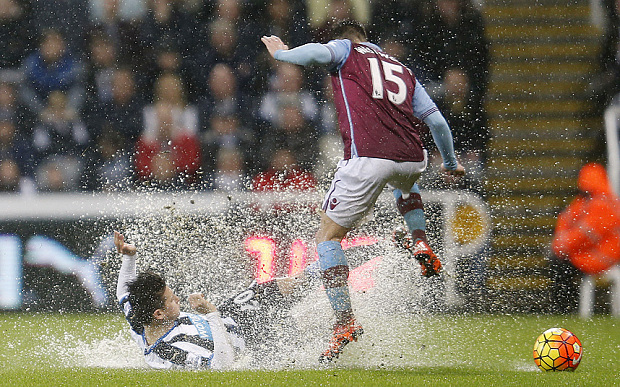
pixel 377 102
pixel 381 106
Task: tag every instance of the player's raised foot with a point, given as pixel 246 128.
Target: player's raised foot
pixel 420 250
pixel 343 335
pixel 430 264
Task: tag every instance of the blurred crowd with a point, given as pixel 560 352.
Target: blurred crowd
pixel 102 95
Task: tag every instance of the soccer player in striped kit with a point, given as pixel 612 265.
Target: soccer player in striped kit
pixel 381 107
pixel 210 338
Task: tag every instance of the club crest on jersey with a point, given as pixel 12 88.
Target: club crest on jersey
pixel 333 203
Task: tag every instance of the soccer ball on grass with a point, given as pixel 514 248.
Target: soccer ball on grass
pixel 557 349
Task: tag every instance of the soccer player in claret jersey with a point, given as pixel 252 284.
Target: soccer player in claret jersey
pixel 208 339
pixel 380 107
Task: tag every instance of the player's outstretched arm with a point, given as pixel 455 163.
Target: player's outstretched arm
pixel 442 135
pixel 425 108
pixel 127 271
pixel 273 44
pixel 121 246
pixel 308 54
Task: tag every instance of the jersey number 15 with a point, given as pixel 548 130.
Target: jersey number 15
pixel 390 73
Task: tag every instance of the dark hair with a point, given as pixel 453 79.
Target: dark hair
pixel 146 294
pixel 349 28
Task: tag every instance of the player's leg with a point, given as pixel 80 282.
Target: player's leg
pixel 411 208
pixel 255 309
pixel 334 268
pixel 354 191
pixel 334 271
pixel 352 194
pixel 257 296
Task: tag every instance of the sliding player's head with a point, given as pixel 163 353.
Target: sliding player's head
pixel 350 29
pixel 151 300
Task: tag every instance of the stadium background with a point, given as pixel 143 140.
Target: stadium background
pixel 542 119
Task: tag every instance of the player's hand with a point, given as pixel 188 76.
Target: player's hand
pixel 199 303
pixel 273 44
pixel 121 246
pixel 458 171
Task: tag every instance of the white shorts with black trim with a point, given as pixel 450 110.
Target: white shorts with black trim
pixel 358 182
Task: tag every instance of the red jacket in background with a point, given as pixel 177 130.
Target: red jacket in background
pixel 184 152
pixel 293 180
pixel 588 230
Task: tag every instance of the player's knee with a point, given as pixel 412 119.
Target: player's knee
pixel 330 230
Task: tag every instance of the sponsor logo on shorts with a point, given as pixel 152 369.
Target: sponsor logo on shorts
pixel 333 203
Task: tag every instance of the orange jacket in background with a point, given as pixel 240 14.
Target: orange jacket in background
pixel 588 230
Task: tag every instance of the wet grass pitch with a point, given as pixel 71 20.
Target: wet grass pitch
pixel 438 350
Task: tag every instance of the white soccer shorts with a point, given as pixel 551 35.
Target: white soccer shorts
pixel 358 182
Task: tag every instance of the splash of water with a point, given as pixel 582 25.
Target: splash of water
pixel 204 253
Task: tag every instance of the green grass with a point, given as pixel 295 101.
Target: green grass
pixel 485 350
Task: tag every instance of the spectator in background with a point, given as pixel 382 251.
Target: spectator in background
pixel 173 35
pixel 13 110
pixel 111 168
pixel 223 47
pixel 60 141
pixel 230 172
pixel 51 67
pixel 284 174
pixel 396 18
pixel 10 175
pixel 16 153
pixel 452 36
pixel 225 132
pixel 292 131
pixel 176 29
pixel 229 10
pixel 165 59
pixel 168 150
pixel 223 96
pixel 587 235
pixel 110 13
pixel 15 28
pixel 121 21
pixel 68 17
pixel 123 112
pixel 15 158
pixel 287 19
pixel 287 87
pixel 232 30
pixel 99 70
pixel 322 13
pixel 234 12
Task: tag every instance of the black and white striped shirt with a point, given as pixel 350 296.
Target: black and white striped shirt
pixel 196 341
